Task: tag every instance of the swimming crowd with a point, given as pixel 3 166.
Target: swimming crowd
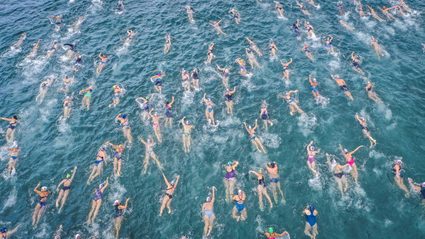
pixel 341 171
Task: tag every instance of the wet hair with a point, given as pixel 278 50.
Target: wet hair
pixel 15 117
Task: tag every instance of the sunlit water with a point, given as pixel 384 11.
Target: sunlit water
pixel 375 208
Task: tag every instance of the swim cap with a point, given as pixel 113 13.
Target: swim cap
pixel 239 191
pixel 345 150
pixel 229 163
pixel 273 164
pixel 44 188
pixel 423 184
pixel 208 199
pixel 311 207
pixel 116 202
pixel 123 116
pixel 68 175
pixel 172 182
pixel 101 185
pixel 187 121
pixel 3 229
pixel 77 236
pixel 398 161
pixel 271 229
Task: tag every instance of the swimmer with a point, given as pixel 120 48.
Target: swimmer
pixel 120 5
pixel 168 197
pixel 10 132
pixel 328 44
pixel 403 6
pixel 217 27
pixel 343 86
pixel 314 4
pixel 52 49
pixel 371 93
pixel 96 201
pixel 87 92
pixel 264 115
pixel 186 137
pixel 254 46
pixel 356 61
pixel 373 13
pixel 341 9
pixel 144 105
pixel 157 80
pixel 286 72
pixel 195 79
pixel 359 9
pixel 119 150
pixel 398 172
pixel 14 151
pixel 242 67
pixel 271 234
pixel 314 86
pixel 67 104
pixel 57 20
pixel 63 189
pixel 273 172
pixel 225 72
pixel 308 52
pixel 302 8
pixel 376 47
pixel 363 123
pixel 149 153
pixel 230 179
pixel 418 188
pixel 97 169
pixel 228 100
pixel 255 140
pixel 18 43
pixel 236 16
pixel 130 36
pixel 296 27
pixel 118 93
pixel 70 51
pixel 119 210
pixel 311 158
pixel 190 11
pixel 239 211
pixel 67 82
pixel 279 8
pixel 103 60
pixel 292 101
pixel 262 188
pixel 185 80
pixel 346 25
pixel 5 233
pixel 209 110
pixel 351 160
pixel 76 26
pixel 273 50
pixel 339 172
pixel 310 214
pixel 310 30
pixel 387 13
pixel 208 213
pixel 34 50
pixel 167 45
pixel 40 207
pixel 156 125
pixel 251 58
pixel 169 112
pixel 44 87
pixel 210 55
pixel 126 129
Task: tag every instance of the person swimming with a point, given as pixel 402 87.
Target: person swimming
pixel 349 158
pixel 208 212
pixel 100 160
pixel 230 179
pixel 371 93
pixel 190 11
pixel 217 27
pixel 339 172
pixel 292 101
pixel 157 80
pixel 343 86
pixel 363 123
pixel 228 100
pixel 310 229
pixel 97 198
pixel 167 45
pixel 279 9
pixel 236 16
pixel 10 132
pixel 63 188
pixel 40 207
pixel 273 172
pixel 311 158
pixel 186 134
pixel 271 234
pixel 262 189
pixel 418 188
pixel 119 210
pixel 264 115
pixel 255 140
pixel 125 124
pixel 149 153
pixel 168 197
pixel 169 112
pixel 209 110
pixel 14 151
pixel 398 171
pixel 239 211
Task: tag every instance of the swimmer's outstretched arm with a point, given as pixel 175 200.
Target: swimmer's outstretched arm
pixel 213 189
pixel 142 140
pixel 246 127
pixel 105 185
pixel 354 151
pixel 256 125
pixel 73 173
pixel 6 119
pixel 251 171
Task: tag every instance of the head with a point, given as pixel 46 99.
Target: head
pixel 208 199
pixel 230 163
pixel 188 122
pixel 15 117
pixel 124 116
pixel 44 189
pixel 311 207
pixel 260 171
pixel 100 186
pixel 345 151
pixel 423 184
pixel 240 192
pixel 314 79
pixel 116 202
pixel 172 182
pixel 272 164
pixel 68 176
pixel 3 229
pixel 312 148
pixel 77 236
pixel 270 230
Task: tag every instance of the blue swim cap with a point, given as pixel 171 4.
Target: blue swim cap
pixel 3 230
pixel 311 207
pixel 123 116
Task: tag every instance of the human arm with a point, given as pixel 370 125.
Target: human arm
pixel 172 100
pixel 142 140
pixel 213 194
pixel 354 151
pixel 166 180
pixel 105 184
pixel 73 173
pixel 253 172
pixel 256 125
pixel 36 188
pixel 13 231
pixel 61 182
pixel 177 180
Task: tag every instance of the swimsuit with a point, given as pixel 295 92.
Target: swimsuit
pixel 210 109
pixel 274 180
pixel 240 206
pixel 423 192
pixel 262 182
pixel 168 112
pixel 344 87
pixel 208 213
pixel 117 155
pixel 264 115
pixel 311 219
pixel 228 96
pixel 42 203
pixel 64 188
pixel 311 159
pixel 118 212
pixel 339 175
pixel 97 195
pixel 351 161
pixel 230 175
pixel 12 125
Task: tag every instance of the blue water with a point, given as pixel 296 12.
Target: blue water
pixel 50 147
